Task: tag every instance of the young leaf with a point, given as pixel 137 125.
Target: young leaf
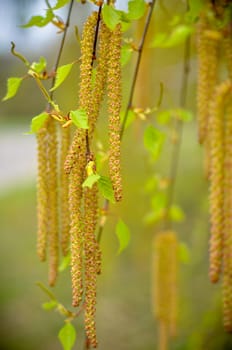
pixel 126 53
pixel 50 305
pixel 40 21
pixel 60 3
pixel 61 75
pixel 38 67
pixel 67 336
pixel 111 16
pixel 123 234
pixel 91 180
pixel 136 9
pixel 153 141
pixel 164 117
pixel 184 115
pixel 65 262
pixel 130 118
pixel 177 37
pixel 176 213
pixel 106 189
pixel 38 122
pixel 80 118
pixel 195 7
pixel 183 253
pixel 13 85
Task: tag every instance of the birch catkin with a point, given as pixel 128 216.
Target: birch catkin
pixel 64 195
pixel 217 178
pixel 227 234
pixel 42 193
pixel 53 202
pixel 164 281
pixel 114 106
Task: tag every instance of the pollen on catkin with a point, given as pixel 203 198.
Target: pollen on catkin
pixel 87 44
pixel 164 279
pixel 100 77
pixel 64 192
pixel 76 232
pixel 227 234
pixel 91 262
pixel 42 193
pixel 52 202
pixel 217 178
pixel 208 42
pixel 114 106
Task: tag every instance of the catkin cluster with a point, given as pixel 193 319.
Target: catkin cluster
pixel 164 283
pixel 78 205
pixel 214 100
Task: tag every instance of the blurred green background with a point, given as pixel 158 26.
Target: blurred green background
pixel 124 314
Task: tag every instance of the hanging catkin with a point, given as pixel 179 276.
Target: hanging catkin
pixel 76 231
pixel 64 191
pixel 87 44
pixel 42 193
pixel 52 202
pixel 100 78
pixel 217 178
pixel 208 55
pixel 114 106
pixel 91 263
pixel 227 234
pixel 164 281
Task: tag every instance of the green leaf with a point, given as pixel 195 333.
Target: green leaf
pixel 65 262
pixel 13 85
pixel 50 305
pixel 153 141
pixel 40 21
pixel 106 189
pixel 38 122
pixel 126 53
pixel 184 253
pixel 184 115
pixel 60 3
pixel 67 336
pixel 123 234
pixel 38 67
pixel 130 118
pixel 111 16
pixel 136 9
pixel 195 7
pixel 178 35
pixel 164 117
pixel 91 180
pixel 61 75
pixel 176 213
pixel 80 118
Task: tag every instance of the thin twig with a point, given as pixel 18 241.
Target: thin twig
pixel 178 130
pixel 140 51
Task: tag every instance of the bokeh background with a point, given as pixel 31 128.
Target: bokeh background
pixel 124 313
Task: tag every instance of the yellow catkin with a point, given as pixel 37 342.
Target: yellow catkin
pixel 114 106
pixel 91 263
pixel 76 232
pixel 87 43
pixel 164 279
pixel 227 43
pixel 64 189
pixel 227 234
pixel 217 178
pixel 52 202
pixel 100 78
pixel 208 56
pixel 42 194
